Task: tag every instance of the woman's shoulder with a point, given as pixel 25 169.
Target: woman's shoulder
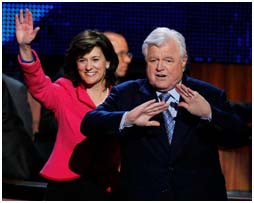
pixel 65 83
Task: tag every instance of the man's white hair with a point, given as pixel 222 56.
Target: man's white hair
pixel 162 34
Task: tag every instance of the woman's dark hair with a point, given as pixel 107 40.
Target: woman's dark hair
pixel 82 44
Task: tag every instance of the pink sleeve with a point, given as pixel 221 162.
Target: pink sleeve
pixel 39 85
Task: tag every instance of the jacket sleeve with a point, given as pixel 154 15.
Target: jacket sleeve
pixel 105 119
pixel 39 84
pixel 228 124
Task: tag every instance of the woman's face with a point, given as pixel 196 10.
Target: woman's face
pixel 92 67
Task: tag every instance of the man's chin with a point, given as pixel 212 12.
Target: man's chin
pixel 121 74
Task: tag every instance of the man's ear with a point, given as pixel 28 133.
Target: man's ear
pixel 184 61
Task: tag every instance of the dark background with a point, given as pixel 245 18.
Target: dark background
pixel 218 38
pixel 214 32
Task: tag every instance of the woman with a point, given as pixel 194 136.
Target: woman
pixel 89 73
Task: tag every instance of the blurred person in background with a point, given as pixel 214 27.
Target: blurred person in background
pixel 20 158
pixel 122 50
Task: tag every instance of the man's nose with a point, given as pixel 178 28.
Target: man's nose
pixel 127 59
pixel 160 65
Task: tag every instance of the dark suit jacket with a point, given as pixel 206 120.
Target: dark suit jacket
pixel 189 168
pixel 18 93
pixel 20 158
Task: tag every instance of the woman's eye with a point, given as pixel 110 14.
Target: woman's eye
pixel 80 60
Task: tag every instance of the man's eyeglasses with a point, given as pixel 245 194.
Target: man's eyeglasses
pixel 125 54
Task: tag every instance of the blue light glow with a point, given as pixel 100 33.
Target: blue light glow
pixel 9 10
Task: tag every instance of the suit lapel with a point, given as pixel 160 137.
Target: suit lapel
pixel 84 97
pixel 149 93
pixel 147 90
pixel 183 128
pixel 185 122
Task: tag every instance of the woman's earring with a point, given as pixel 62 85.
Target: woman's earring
pixel 107 66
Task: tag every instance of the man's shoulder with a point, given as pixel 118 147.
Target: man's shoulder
pixel 12 82
pixel 197 84
pixel 131 83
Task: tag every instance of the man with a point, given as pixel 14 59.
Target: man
pixel 21 160
pixel 121 48
pixel 19 96
pixel 181 163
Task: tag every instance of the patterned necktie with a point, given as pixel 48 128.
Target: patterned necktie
pixel 168 119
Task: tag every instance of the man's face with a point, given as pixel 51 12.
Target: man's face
pixel 121 49
pixel 164 65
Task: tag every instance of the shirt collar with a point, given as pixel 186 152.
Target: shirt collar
pixel 173 93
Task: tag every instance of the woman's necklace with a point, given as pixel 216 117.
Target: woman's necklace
pixel 105 95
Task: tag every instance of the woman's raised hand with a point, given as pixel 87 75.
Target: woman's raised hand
pixel 25 33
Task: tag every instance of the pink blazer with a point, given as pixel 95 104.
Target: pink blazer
pixel 69 104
